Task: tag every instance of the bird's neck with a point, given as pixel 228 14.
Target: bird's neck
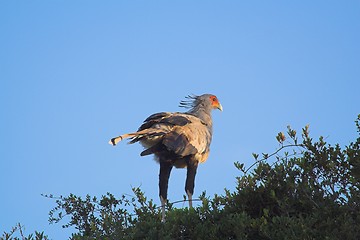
pixel 204 114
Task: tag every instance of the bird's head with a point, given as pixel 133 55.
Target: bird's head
pixel 214 101
pixel 208 101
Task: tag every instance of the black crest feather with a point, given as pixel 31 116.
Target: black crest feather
pixel 190 101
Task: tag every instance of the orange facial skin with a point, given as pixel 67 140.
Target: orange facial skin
pixel 215 102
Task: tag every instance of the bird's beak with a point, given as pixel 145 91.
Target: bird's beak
pixel 220 107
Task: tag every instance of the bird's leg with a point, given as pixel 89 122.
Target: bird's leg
pixel 190 179
pixel 163 202
pixel 165 169
pixel 189 198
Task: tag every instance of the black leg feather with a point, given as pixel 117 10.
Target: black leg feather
pixel 165 170
pixel 190 179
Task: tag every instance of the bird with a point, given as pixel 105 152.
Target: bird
pixel 177 139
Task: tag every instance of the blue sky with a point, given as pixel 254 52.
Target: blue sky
pixel 75 73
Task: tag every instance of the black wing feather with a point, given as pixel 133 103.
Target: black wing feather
pixel 164 118
pixel 156 116
pixel 176 120
pixel 179 144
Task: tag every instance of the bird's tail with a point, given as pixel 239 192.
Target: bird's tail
pixel 117 139
pixel 136 136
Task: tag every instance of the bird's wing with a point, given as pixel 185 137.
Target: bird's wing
pixel 187 139
pixel 157 125
pixel 167 118
pixel 153 127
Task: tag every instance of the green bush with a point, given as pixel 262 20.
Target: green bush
pixel 305 190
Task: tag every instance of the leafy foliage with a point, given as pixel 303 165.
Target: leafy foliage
pixel 306 189
pixel 20 229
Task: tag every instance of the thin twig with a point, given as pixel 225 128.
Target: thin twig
pixel 274 153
